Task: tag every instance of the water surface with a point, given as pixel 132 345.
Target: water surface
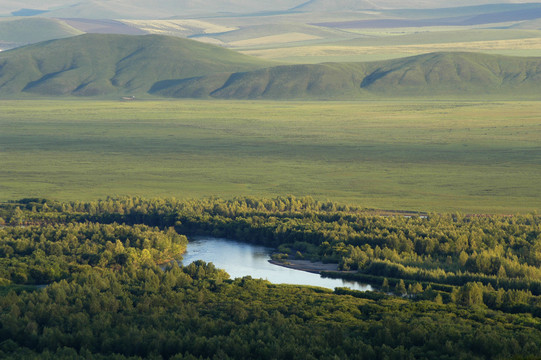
pixel 241 259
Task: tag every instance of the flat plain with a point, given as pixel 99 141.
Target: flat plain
pixel 468 156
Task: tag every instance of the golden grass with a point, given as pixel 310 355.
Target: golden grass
pixel 275 39
pixel 164 27
pixel 330 50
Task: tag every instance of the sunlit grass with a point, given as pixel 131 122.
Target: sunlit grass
pixel 419 155
pixel 330 52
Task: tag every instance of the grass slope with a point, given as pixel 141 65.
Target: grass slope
pixel 456 73
pixel 437 74
pixel 93 65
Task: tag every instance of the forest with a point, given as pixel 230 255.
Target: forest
pixel 99 280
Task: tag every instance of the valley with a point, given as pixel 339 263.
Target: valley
pixel 167 169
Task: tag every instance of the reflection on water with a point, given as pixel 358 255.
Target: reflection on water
pixel 241 259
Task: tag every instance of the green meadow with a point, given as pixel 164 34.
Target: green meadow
pixel 474 157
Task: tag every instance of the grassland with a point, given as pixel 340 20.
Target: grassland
pixel 444 156
pixel 383 44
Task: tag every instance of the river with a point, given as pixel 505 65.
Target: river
pixel 241 259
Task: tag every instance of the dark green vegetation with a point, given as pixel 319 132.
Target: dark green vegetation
pixel 427 156
pixel 99 65
pixel 118 303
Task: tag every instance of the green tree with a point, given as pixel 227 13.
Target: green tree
pixel 400 288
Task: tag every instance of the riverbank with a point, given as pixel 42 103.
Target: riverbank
pixel 305 265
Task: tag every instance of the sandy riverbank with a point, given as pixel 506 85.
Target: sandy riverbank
pixel 306 265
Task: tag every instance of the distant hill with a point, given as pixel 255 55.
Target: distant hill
pixel 250 25
pixel 322 81
pixel 341 5
pixel 436 74
pixel 138 9
pixel 111 65
pixel 457 16
pixel 22 31
pixel 92 64
pixel 459 74
pixel 161 9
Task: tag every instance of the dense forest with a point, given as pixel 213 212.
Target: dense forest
pixel 96 280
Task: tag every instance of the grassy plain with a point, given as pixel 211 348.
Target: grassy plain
pixel 476 157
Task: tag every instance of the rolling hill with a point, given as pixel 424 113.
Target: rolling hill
pixel 112 65
pixel 93 65
pixel 435 74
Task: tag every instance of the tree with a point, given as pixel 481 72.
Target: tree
pixel 400 288
pixel 385 285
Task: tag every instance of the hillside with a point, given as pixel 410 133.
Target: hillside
pixel 322 81
pixel 436 74
pixel 91 65
pixel 466 74
pixel 111 65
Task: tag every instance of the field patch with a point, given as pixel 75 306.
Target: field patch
pixel 178 27
pixel 394 51
pixel 94 26
pixel 273 39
